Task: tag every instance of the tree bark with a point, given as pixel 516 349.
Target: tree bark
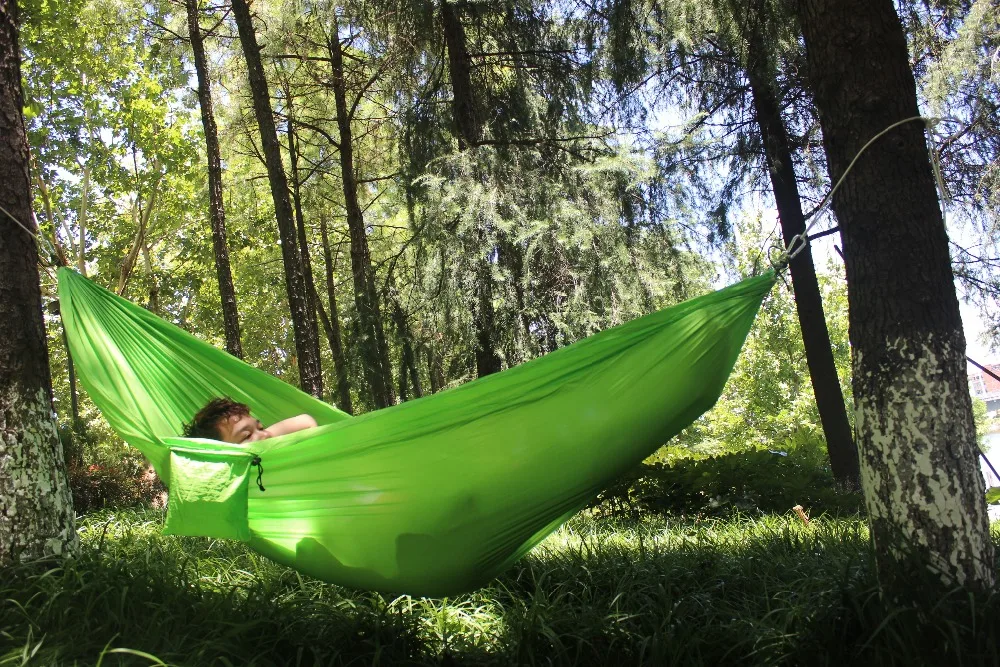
pixel 73 444
pixel 511 257
pixel 153 305
pixel 140 218
pixel 81 218
pixel 808 301
pixel 43 190
pixel 467 118
pixel 216 205
pixel 300 222
pixel 435 369
pixel 487 359
pixel 74 399
pixel 923 488
pixel 36 507
pixel 371 335
pixel 304 327
pixel 469 132
pixel 408 373
pixel 332 324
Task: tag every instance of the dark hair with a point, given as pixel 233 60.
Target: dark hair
pixel 206 423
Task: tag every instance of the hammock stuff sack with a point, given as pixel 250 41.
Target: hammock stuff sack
pixel 434 496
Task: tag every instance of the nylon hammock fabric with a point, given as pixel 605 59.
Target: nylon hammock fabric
pixel 434 496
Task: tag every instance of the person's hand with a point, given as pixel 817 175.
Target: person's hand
pixel 260 434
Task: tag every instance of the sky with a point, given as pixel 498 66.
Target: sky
pixel 974 328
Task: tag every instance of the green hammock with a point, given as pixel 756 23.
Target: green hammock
pixel 434 496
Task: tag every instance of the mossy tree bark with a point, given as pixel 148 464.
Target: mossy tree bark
pixel 919 472
pixel 303 322
pixel 36 507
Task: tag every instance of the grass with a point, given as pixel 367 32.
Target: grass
pixel 739 591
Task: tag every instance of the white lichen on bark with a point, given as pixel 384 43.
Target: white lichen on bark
pixel 36 508
pixel 919 468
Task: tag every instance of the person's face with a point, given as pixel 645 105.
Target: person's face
pixel 242 428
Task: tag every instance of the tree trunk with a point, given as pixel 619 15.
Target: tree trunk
pixel 140 219
pixel 74 400
pixel 72 446
pixel 81 218
pixel 300 224
pixel 310 372
pixel 511 257
pixel 371 335
pixel 923 488
pixel 410 359
pixel 463 105
pixel 216 206
pixel 36 507
pixel 153 305
pixel 808 301
pixel 408 373
pixel 469 131
pixel 332 324
pixel 487 359
pixel 435 369
pixel 43 190
pixel 75 456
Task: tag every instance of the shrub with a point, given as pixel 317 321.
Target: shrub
pixel 125 483
pixel 106 473
pixel 753 481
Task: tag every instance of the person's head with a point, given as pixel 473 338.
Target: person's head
pixel 225 419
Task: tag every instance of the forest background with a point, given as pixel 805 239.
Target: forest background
pixel 469 185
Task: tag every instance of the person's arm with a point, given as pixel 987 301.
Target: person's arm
pixel 291 425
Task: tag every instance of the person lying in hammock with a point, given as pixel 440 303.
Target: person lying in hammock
pixel 225 419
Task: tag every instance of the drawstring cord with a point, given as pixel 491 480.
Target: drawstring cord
pixel 260 471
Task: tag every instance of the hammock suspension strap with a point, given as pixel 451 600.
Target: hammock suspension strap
pixel 800 241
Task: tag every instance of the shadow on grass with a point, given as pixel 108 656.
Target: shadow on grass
pixel 739 591
pixel 758 592
pixel 189 601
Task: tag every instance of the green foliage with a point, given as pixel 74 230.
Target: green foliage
pixel 983 422
pixel 565 259
pixel 956 52
pixel 565 226
pixel 768 591
pixel 768 402
pixel 103 476
pixel 741 482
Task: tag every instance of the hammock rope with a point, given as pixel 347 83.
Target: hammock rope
pixel 44 245
pixel 798 242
